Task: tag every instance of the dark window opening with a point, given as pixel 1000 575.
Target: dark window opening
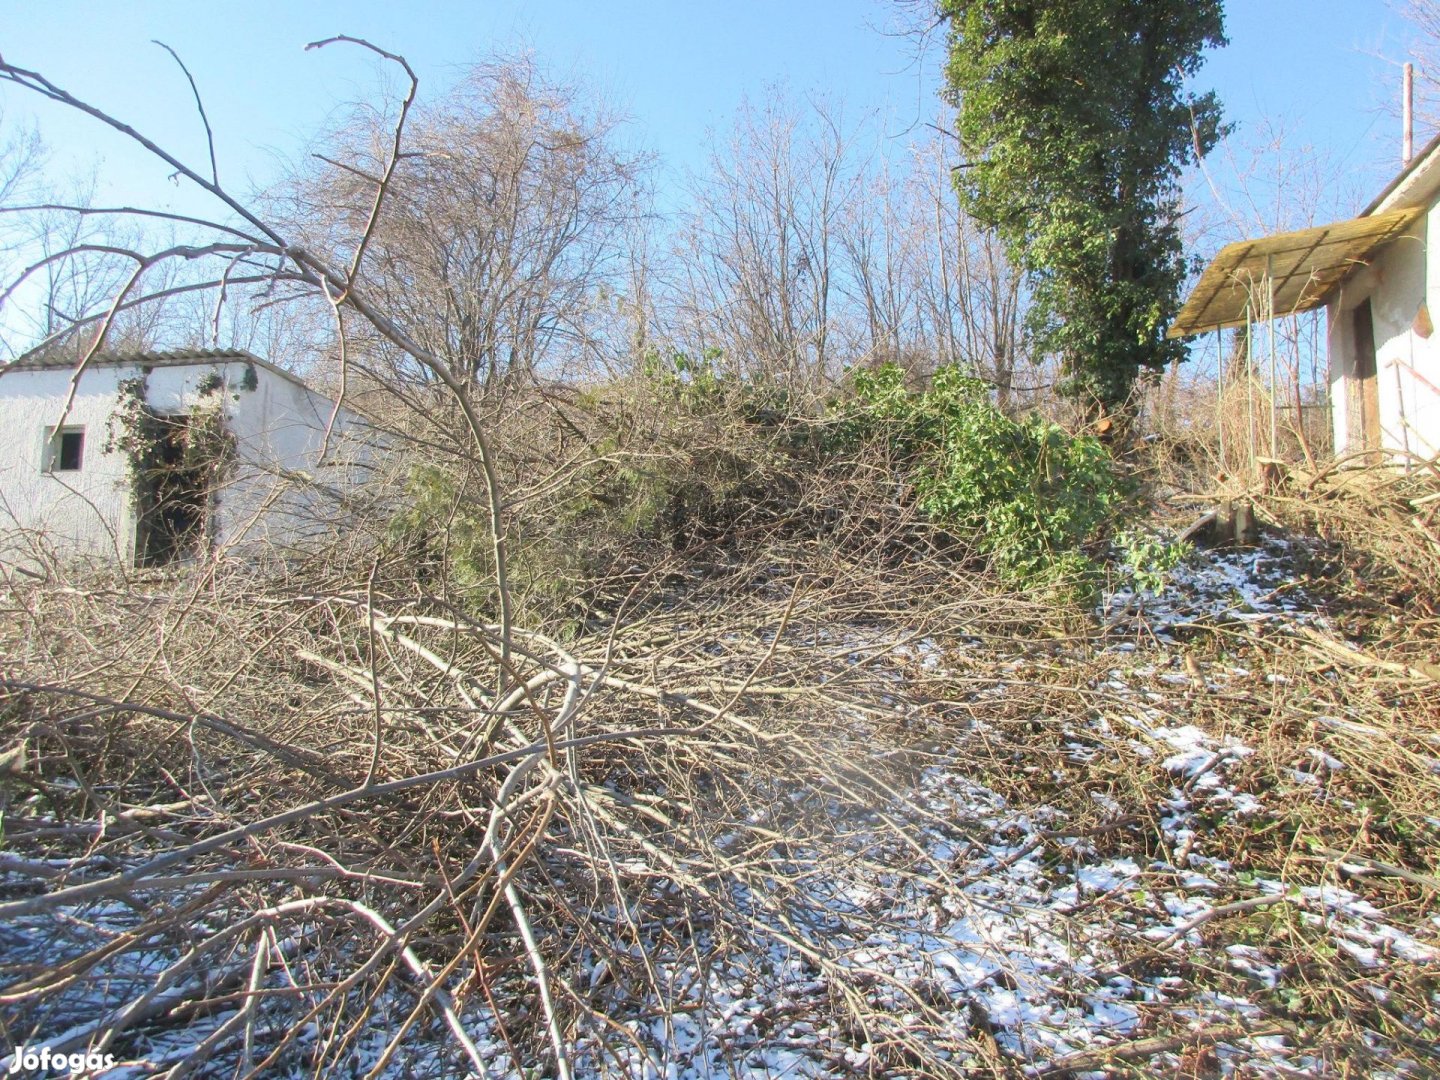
pixel 72 448
pixel 173 500
pixel 65 450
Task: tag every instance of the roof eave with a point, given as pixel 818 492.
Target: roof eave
pixel 1409 179
pixel 1285 273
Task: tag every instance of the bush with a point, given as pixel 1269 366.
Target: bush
pixel 688 459
pixel 1027 493
pixel 681 458
pixel 700 387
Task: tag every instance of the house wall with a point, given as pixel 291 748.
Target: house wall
pixel 1405 273
pixel 283 494
pixel 84 513
pixel 276 495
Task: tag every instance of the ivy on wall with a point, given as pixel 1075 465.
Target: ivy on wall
pixel 192 452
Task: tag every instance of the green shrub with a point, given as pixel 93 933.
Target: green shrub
pixel 1027 493
pixel 688 458
pixel 1149 558
pixel 444 526
pixel 444 529
pixel 696 384
pixel 700 386
pixel 665 466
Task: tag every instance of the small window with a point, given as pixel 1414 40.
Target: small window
pixel 65 450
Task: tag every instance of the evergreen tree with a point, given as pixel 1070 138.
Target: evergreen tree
pixel 1075 124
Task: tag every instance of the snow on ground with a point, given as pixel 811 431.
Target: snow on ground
pixel 991 937
pixel 976 936
pixel 997 941
pixel 1244 584
pixel 128 976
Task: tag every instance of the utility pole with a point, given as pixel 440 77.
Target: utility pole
pixel 1407 112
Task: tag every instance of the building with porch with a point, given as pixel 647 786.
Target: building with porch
pixel 1374 274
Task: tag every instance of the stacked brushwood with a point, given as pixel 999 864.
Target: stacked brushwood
pixel 299 804
pixel 333 822
pixel 1386 518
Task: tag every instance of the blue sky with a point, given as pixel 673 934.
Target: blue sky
pixel 1325 68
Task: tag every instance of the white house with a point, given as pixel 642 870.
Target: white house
pixel 155 457
pixel 1375 274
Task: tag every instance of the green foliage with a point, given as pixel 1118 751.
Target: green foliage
pixel 1027 493
pixel 619 510
pixel 137 431
pixel 443 521
pixel 700 386
pixel 209 450
pixel 200 445
pixel 1149 558
pixel 1075 126
pixel 444 530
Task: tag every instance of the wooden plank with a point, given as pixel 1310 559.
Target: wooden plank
pixel 1327 254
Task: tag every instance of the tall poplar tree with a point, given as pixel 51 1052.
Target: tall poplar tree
pixel 1075 124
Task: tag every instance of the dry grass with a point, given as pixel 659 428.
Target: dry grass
pixel 1383 524
pixel 1200 436
pixel 315 822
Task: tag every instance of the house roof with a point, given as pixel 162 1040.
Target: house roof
pixel 1305 267
pixel 151 358
pixel 1407 187
pixel 172 358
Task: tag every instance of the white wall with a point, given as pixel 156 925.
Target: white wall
pixel 270 498
pixel 74 513
pixel 1403 274
pixel 282 494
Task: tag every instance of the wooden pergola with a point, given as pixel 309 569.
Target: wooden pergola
pixel 1259 280
pixel 1284 274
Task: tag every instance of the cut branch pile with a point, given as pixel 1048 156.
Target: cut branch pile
pixel 813 807
pixel 809 800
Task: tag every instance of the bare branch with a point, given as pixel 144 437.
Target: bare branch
pixel 37 83
pixel 200 106
pixel 383 183
pixel 132 211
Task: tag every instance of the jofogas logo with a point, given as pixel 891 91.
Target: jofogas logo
pixel 41 1060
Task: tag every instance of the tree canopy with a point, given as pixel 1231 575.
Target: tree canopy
pixel 505 217
pixel 1076 123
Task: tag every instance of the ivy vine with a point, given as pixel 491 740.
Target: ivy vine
pixel 148 439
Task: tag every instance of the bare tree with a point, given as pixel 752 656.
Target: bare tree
pixel 34 227
pixel 759 252
pixel 22 154
pixel 970 299
pixel 1424 50
pixel 505 218
pixel 76 251
pixel 74 290
pixel 803 254
pixel 880 247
